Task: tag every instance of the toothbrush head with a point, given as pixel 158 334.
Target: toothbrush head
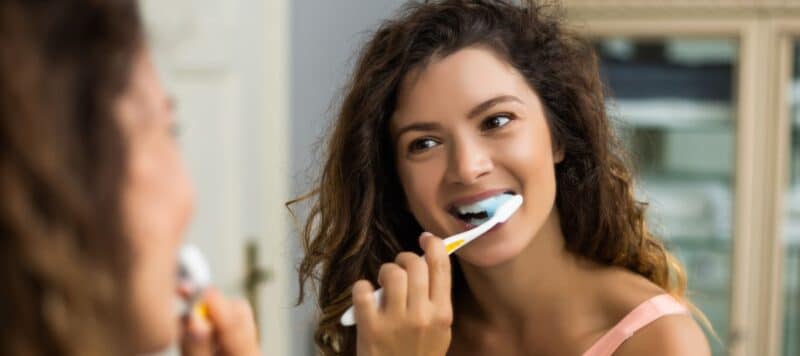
pixel 193 268
pixel 508 208
pixel 492 204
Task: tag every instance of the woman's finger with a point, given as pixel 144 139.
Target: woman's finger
pixel 366 310
pixel 239 337
pixel 197 336
pixel 234 326
pixel 438 269
pixel 394 281
pixel 417 272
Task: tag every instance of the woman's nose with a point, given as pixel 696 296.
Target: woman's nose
pixel 468 162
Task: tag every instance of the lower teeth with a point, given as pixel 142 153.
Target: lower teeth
pixel 474 218
pixel 476 222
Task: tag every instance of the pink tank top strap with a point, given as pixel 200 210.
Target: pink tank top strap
pixel 641 316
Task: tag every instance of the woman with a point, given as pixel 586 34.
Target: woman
pixel 95 195
pixel 453 102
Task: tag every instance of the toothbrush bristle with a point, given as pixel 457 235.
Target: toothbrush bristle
pixel 193 266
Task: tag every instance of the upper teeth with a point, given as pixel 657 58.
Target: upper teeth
pixel 484 205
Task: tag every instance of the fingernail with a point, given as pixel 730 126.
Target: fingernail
pixel 423 236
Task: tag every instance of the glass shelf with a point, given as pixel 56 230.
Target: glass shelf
pixel 791 226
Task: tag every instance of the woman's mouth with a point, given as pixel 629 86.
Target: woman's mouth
pixel 479 212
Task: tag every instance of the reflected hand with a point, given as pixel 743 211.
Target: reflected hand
pixel 228 329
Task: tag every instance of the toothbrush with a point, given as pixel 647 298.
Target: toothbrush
pixel 453 243
pixel 194 273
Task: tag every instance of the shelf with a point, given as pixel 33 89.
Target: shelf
pixel 672 113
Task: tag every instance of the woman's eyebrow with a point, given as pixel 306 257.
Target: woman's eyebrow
pixel 486 105
pixel 477 110
pixel 418 126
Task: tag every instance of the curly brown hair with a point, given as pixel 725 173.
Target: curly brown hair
pixel 354 225
pixel 64 259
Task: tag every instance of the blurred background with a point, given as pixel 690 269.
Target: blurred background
pixel 705 94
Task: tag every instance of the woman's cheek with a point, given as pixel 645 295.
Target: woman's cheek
pixel 420 182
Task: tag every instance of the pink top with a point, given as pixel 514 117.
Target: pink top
pixel 641 316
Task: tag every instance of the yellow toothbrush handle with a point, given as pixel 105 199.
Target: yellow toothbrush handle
pixel 453 245
pixel 201 309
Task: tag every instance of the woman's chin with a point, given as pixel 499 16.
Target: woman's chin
pixel 158 339
pixel 491 250
pixel 157 328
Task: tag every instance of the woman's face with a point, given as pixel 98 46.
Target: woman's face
pixel 157 203
pixel 468 127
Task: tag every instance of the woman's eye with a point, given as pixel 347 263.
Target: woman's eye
pixel 421 144
pixel 495 122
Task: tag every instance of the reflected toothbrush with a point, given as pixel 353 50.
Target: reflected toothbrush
pixel 194 275
pixel 502 213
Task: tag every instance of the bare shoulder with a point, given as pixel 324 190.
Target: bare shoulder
pixel 669 335
pixel 621 291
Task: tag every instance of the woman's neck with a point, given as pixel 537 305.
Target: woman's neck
pixel 543 283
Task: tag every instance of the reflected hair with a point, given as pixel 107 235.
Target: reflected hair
pixel 64 260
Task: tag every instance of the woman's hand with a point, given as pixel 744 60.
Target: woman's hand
pixel 228 329
pixel 416 314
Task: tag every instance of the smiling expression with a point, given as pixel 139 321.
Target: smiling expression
pixel 468 127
